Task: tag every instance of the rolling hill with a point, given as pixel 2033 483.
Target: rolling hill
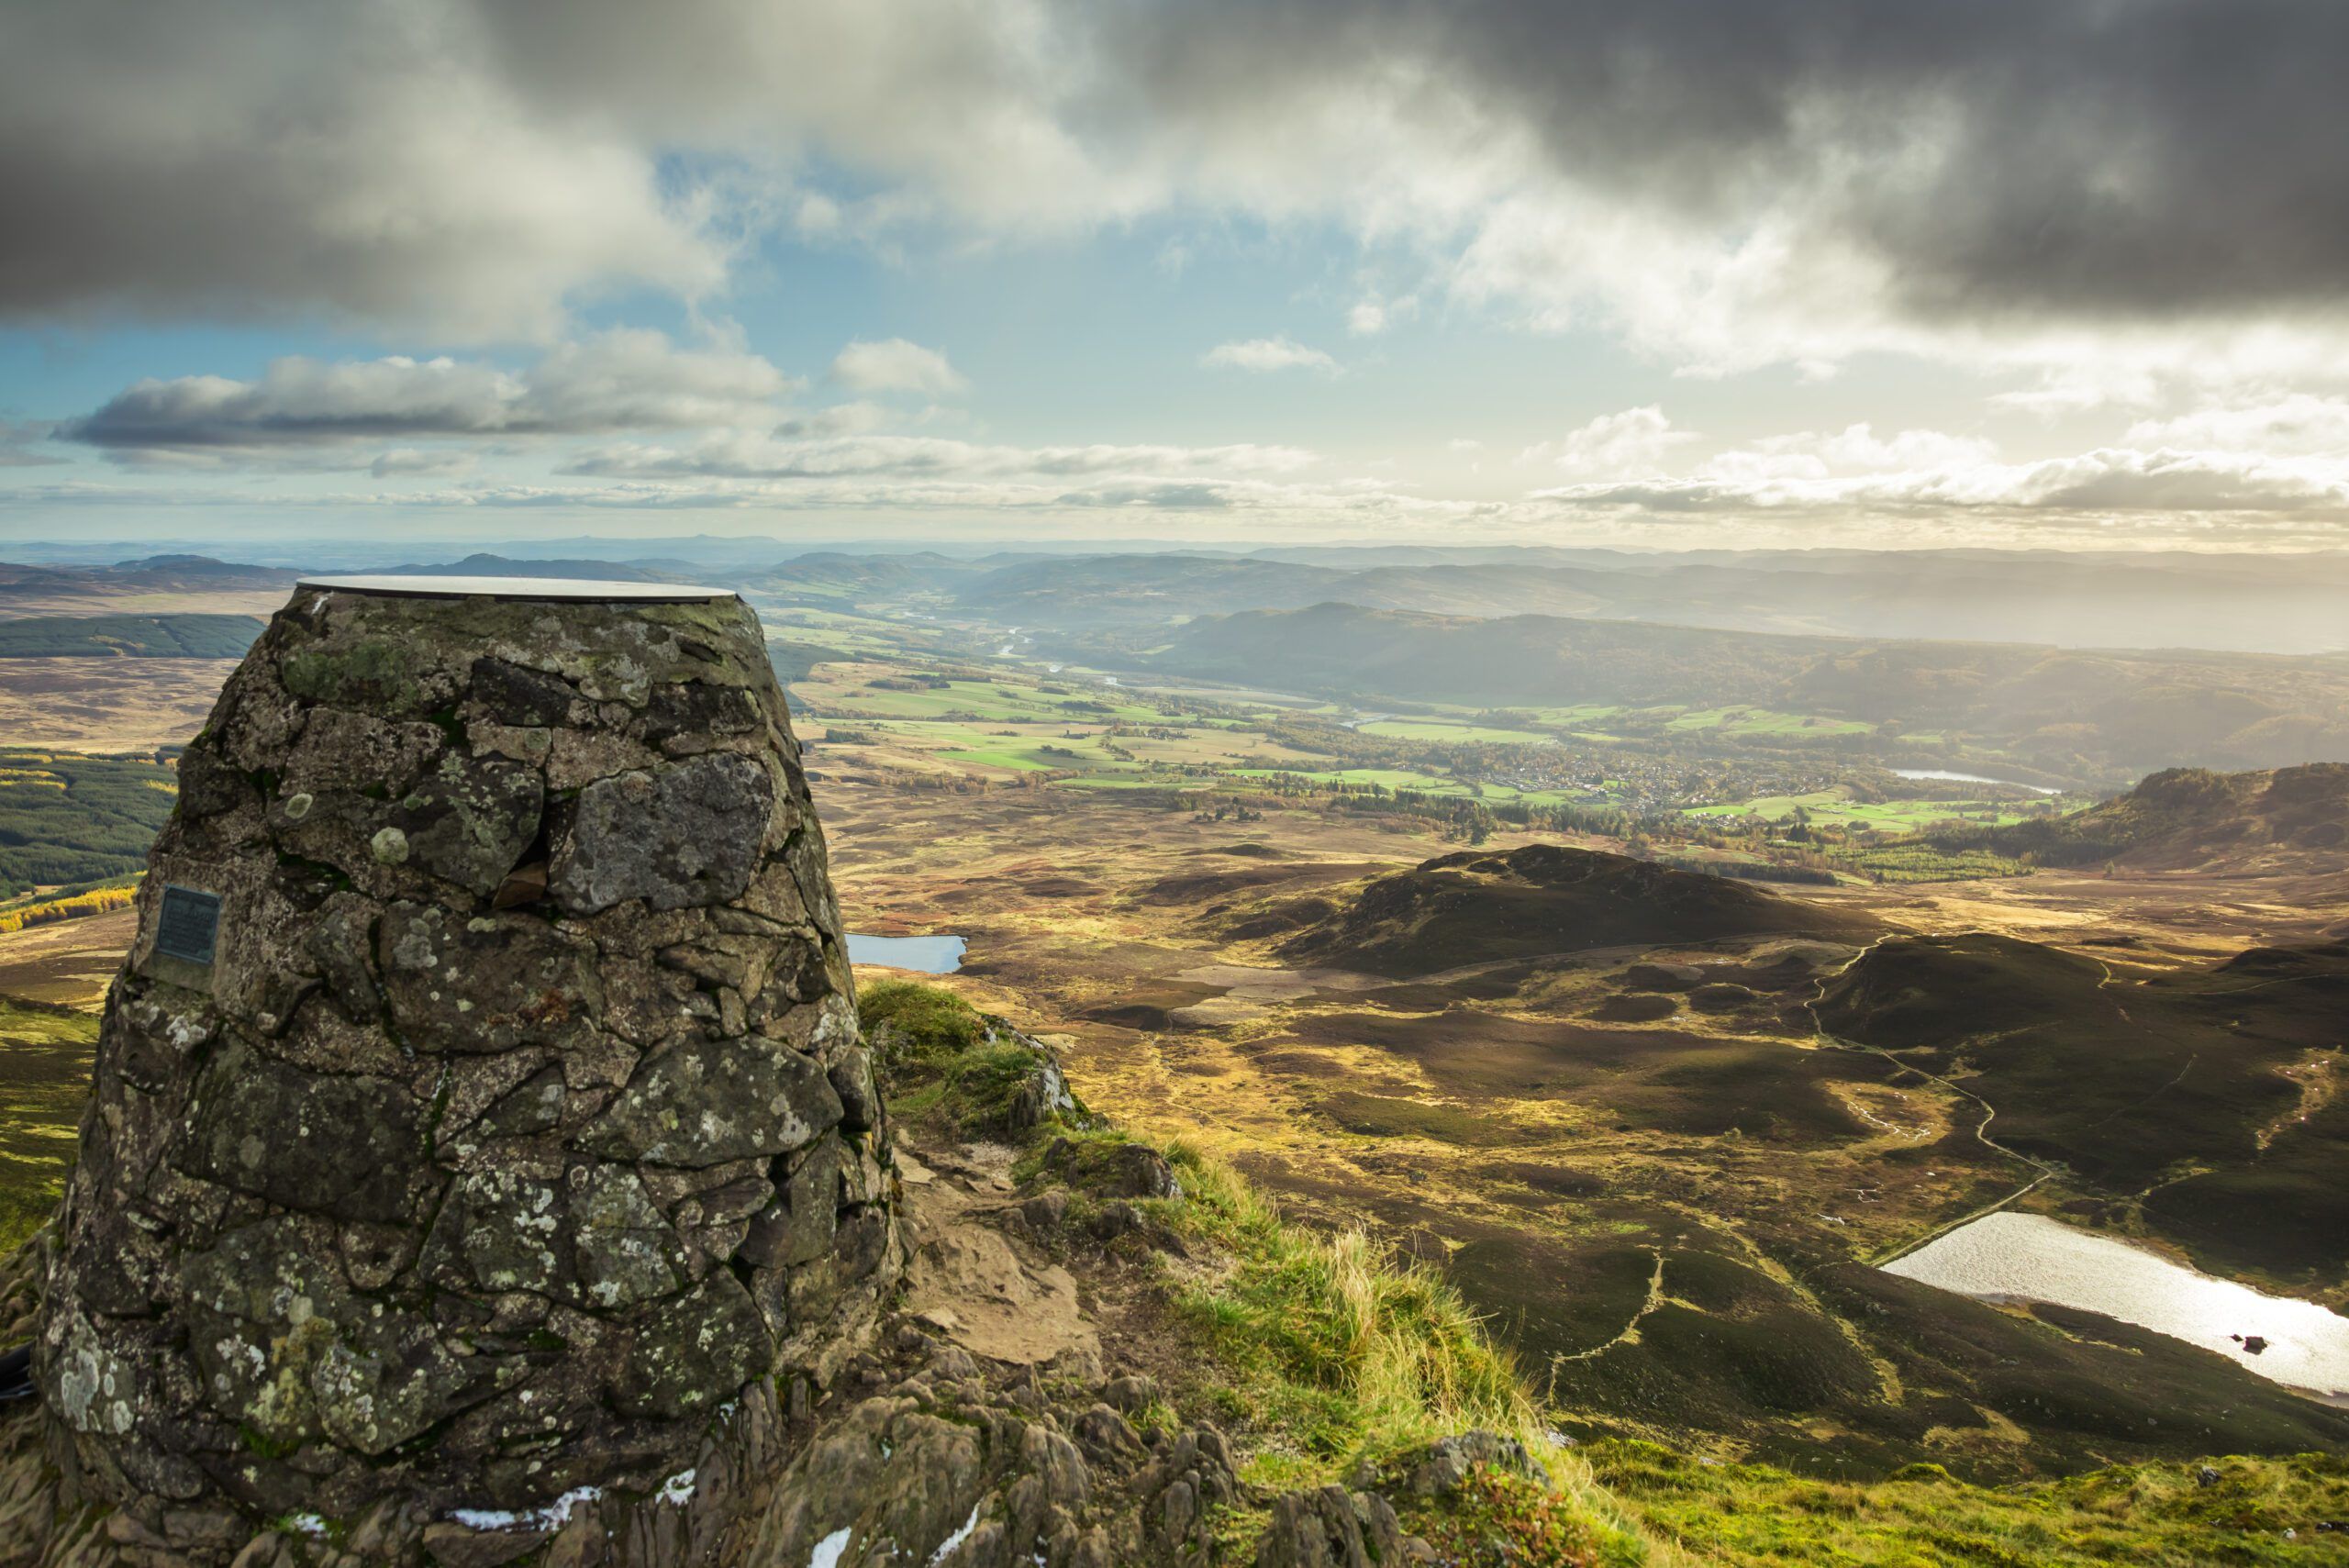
pixel 1538 900
pixel 2181 819
pixel 2207 1092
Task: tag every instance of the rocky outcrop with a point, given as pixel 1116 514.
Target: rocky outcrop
pixel 480 1113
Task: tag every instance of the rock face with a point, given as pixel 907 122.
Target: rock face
pixel 480 1111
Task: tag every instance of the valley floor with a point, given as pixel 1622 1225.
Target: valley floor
pixel 1662 1194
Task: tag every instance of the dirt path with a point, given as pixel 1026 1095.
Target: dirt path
pixel 1981 1131
pixel 969 1280
pixel 1630 1332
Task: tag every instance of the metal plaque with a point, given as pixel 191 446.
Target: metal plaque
pixel 189 925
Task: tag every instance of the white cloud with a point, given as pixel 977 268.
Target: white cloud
pixel 1369 315
pixel 2106 480
pixel 1632 441
pixel 406 462
pixel 896 365
pixel 1264 354
pixel 2298 423
pixel 1811 454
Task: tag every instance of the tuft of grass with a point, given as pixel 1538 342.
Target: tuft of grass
pixel 941 1059
pixel 932 1024
pixel 1336 1340
pixel 1340 1355
pixel 1501 1520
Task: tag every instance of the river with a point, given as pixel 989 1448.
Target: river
pixel 2027 1257
pixel 1968 778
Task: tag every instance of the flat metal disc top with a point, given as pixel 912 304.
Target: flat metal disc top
pixel 583 589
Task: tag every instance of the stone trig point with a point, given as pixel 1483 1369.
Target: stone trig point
pixel 480 1113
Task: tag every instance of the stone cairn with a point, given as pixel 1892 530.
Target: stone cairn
pixel 480 1113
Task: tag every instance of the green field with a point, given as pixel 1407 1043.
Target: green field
pixel 1401 779
pixel 1442 730
pixel 1039 755
pixel 987 700
pixel 1764 721
pixel 1834 805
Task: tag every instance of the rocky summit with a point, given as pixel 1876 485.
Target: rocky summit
pixel 480 1113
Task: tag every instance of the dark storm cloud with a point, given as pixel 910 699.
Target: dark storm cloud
pixel 2091 157
pixel 472 164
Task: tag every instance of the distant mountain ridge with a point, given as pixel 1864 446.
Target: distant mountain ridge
pixel 2067 710
pixel 485 565
pixel 148 574
pixel 2267 604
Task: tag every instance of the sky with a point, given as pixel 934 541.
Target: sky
pixel 2061 274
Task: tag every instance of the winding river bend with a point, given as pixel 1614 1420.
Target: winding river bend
pixel 1943 774
pixel 2027 1257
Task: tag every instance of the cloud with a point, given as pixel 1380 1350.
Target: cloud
pixel 1259 355
pixel 16 436
pixel 1726 183
pixel 2103 481
pixel 236 160
pixel 756 457
pixel 896 365
pixel 405 462
pixel 1811 454
pixel 1634 440
pixel 840 420
pixel 2300 422
pixel 1372 315
pixel 620 379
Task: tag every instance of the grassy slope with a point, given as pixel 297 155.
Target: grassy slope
pixel 44 1081
pixel 67 819
pixel 2154 1516
pixel 1333 1351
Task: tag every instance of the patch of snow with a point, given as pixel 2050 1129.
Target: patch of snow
pixel 678 1490
pixel 310 1525
pixel 957 1539
pixel 828 1551
pixel 554 1516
